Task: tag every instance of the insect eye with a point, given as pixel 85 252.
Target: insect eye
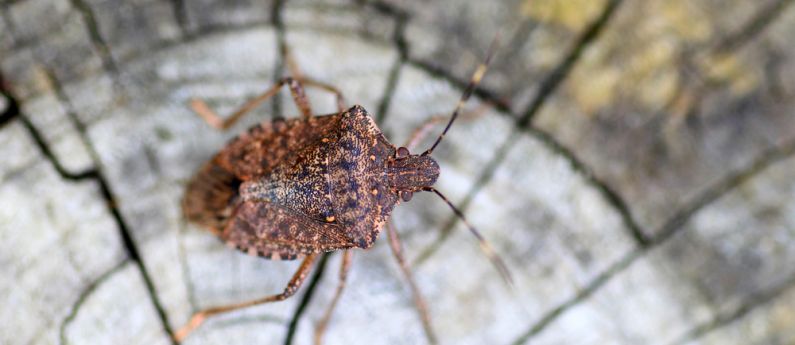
pixel 406 196
pixel 402 152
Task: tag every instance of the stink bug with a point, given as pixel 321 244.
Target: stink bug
pixel 289 189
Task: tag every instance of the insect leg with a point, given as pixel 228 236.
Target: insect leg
pixel 295 282
pixel 292 66
pixel 340 100
pixel 419 301
pixel 344 267
pixel 289 60
pixel 296 86
pixel 296 89
pixel 202 109
pixel 422 131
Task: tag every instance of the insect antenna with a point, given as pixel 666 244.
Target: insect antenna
pixel 485 246
pixel 473 83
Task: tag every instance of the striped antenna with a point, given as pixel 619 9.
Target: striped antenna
pixel 485 247
pixel 473 83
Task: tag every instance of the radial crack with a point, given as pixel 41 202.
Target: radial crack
pixel 583 294
pixel 96 36
pixel 389 92
pixel 399 39
pixel 762 19
pixel 106 192
pixel 83 297
pixel 402 18
pixel 180 15
pixel 548 85
pixel 671 227
pixel 486 174
pixel 726 184
pixel 610 195
pixel 11 110
pixel 281 38
pixel 742 310
pixel 292 326
pixel 553 80
pixel 484 94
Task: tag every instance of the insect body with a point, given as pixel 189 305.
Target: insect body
pixel 295 188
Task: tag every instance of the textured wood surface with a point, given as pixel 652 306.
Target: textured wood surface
pixel 634 166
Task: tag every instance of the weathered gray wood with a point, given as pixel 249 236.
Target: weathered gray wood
pixel 735 254
pixel 60 250
pixel 633 166
pixel 695 105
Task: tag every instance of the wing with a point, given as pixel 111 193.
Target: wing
pixel 212 194
pixel 255 152
pixel 278 233
pixel 361 197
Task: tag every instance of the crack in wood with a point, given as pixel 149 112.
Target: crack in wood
pixel 675 225
pixel 500 104
pixel 761 20
pixel 385 8
pixel 399 39
pixel 582 295
pixel 389 92
pixel 755 301
pixel 11 110
pixel 181 16
pixel 95 174
pixel 92 174
pixel 83 297
pixel 486 174
pixel 767 158
pixel 562 70
pixel 96 37
pixel 281 40
pixel 402 18
pixel 184 267
pixel 5 18
pixel 611 196
pixel 292 326
pixel 548 85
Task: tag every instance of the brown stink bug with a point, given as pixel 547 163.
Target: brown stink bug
pixel 289 189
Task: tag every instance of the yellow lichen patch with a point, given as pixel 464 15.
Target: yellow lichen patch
pixel 724 68
pixel 596 89
pixel 686 20
pixel 639 59
pixel 652 56
pixel 572 14
pixel 545 58
pixel 654 71
pixel 659 88
pixel 782 317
